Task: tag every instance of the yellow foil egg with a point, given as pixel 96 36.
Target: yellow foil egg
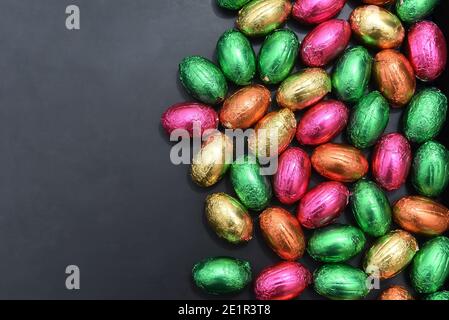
pixel 213 160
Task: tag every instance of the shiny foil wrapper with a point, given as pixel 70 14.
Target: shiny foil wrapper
pixel 438 296
pixel 245 107
pixel 316 11
pixel 236 57
pixel 414 10
pixel 377 27
pixel 323 204
pixel 303 89
pixel 391 161
pixel 283 233
pixel 292 177
pixel 212 161
pixel 273 133
pixel 222 275
pixel 427 50
pixel 421 215
pixel 232 4
pixel 390 254
pixel 203 80
pixel 339 162
pixel 396 293
pixel 322 122
pixel 378 2
pixel 228 218
pixel 394 76
pixel 430 268
pixel 186 115
pixel 277 56
pixel 261 17
pixel 325 42
pixel 283 281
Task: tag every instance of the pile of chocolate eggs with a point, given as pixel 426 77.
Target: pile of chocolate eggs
pixel 341 88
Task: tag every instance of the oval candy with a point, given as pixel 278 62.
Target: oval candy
pixel 413 10
pixel 440 295
pixel 232 4
pixel 316 11
pixel 378 2
pixel 203 80
pixel 396 293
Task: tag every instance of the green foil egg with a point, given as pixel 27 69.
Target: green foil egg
pixel 221 275
pixel 252 188
pixel 441 295
pixel 425 115
pixel 232 4
pixel 371 208
pixel 411 11
pixel 352 74
pixel 203 80
pixel 236 57
pixel 336 243
pixel 341 282
pixel 430 169
pixel 277 56
pixel 430 268
pixel 368 120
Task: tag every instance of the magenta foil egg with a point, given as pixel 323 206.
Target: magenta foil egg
pixel 322 122
pixel 322 204
pixel 426 49
pixel 282 281
pixel 187 114
pixel 325 42
pixel 293 175
pixel 316 11
pixel 391 161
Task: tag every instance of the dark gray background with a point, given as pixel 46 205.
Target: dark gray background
pixel 85 174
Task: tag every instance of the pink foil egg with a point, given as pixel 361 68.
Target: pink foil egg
pixel 282 281
pixel 293 175
pixel 185 115
pixel 322 122
pixel 391 161
pixel 316 11
pixel 325 42
pixel 426 49
pixel 323 204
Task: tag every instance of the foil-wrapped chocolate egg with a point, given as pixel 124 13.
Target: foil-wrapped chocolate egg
pixel 322 122
pixel 426 49
pixel 228 218
pixel 232 4
pixel 323 204
pixel 371 208
pixel 316 11
pixel 283 233
pixel 390 254
pixel 325 42
pixel 396 293
pixel 203 80
pixel 245 107
pixel 391 161
pixel 303 89
pixel 341 282
pixel 273 133
pixel 379 2
pixel 430 268
pixel 438 296
pixel 425 115
pixel 213 160
pixel 283 281
pixel 292 177
pixel 377 27
pixel 261 17
pixel 221 275
pixel 411 11
pixel 185 116
pixel 277 56
pixel 339 162
pixel 236 57
pixel 421 215
pixel 394 76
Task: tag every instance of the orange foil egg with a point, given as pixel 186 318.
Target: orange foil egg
pixel 283 233
pixel 394 76
pixel 245 107
pixel 339 162
pixel 396 293
pixel 421 215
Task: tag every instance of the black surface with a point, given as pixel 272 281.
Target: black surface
pixel 85 173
